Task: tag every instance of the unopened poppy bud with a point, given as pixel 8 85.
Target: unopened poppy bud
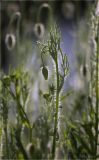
pixel 60 106
pixel 45 72
pixel 44 5
pixel 39 30
pixel 10 41
pixel 17 13
pixel 68 9
pixel 84 70
pixel 30 149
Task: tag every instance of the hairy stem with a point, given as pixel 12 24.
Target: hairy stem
pixel 56 114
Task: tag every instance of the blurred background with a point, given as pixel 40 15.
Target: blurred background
pixel 23 23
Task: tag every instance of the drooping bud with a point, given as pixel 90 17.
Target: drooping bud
pixel 10 41
pixel 45 72
pixel 68 9
pixel 30 149
pixel 39 30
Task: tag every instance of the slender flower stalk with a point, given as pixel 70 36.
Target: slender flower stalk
pixel 52 47
pixel 97 92
pixel 56 114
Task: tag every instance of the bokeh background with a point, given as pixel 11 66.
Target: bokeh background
pixel 23 23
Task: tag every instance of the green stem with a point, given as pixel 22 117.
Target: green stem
pixel 56 114
pixel 30 133
pixel 21 112
pixel 42 59
pixel 6 139
pixel 20 146
pixel 97 95
pixel 5 124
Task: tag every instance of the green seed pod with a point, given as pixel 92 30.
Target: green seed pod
pixel 45 72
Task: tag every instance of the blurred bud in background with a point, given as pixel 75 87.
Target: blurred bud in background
pixel 68 9
pixel 10 41
pixel 39 30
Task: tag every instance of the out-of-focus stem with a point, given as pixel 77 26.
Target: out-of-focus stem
pixel 97 93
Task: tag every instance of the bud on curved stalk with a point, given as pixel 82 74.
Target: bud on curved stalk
pixel 16 15
pixel 44 10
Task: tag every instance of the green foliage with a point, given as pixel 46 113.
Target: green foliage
pixel 74 138
pixel 52 48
